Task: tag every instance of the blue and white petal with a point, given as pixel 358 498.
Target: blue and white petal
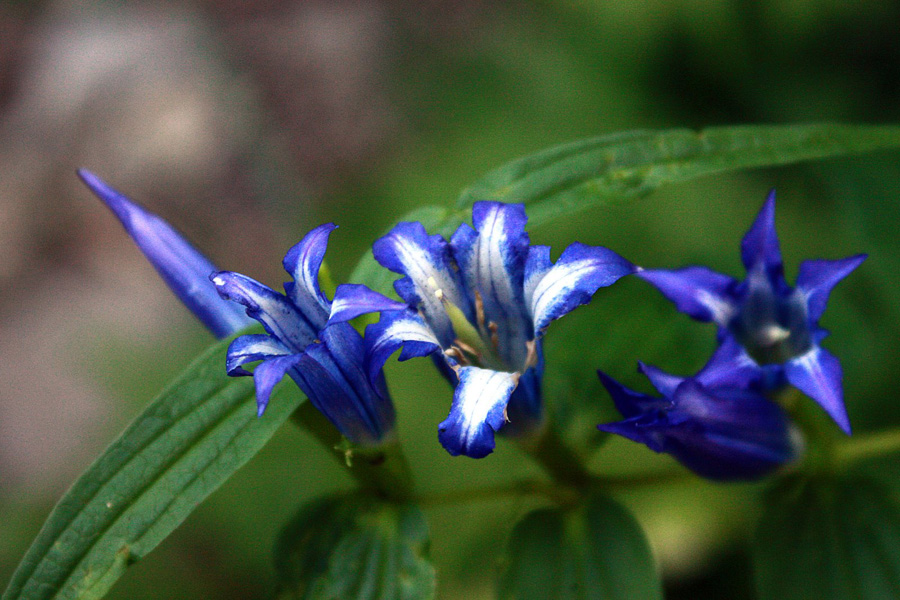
pixel 303 262
pixel 536 266
pixel 184 269
pixel 267 374
pixel 429 278
pixel 697 291
pixel 398 329
pixel 817 278
pixel 818 375
pixel 491 259
pixel 479 404
pixel 760 244
pixel 250 348
pixel 353 299
pixel 580 271
pixel 276 313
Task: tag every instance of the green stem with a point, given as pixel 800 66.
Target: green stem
pixel 515 489
pixel 868 446
pixel 381 469
pixel 560 462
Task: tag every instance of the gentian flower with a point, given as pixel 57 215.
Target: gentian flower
pixel 480 304
pixel 184 269
pixel 716 423
pixel 327 362
pixel 776 325
pixel 325 359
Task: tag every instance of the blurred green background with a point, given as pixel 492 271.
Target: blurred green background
pixel 247 124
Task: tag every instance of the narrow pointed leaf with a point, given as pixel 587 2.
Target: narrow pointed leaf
pixel 828 539
pixel 192 438
pixel 355 547
pixel 594 552
pixel 565 179
pixel 568 178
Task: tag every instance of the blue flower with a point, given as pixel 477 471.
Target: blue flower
pixel 307 338
pixel 776 325
pixel 716 423
pixel 326 360
pixel 480 304
pixel 182 267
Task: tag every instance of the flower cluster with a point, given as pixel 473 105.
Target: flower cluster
pixel 479 304
pixel 721 422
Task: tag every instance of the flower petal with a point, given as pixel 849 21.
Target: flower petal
pixel 664 383
pixel 267 374
pixel 638 429
pixel 276 313
pixel 250 348
pixel 184 269
pixel 352 300
pixel 698 292
pixel 760 244
pixel 394 330
pixel 303 262
pixel 818 375
pixel 731 366
pixel 430 277
pixel 627 401
pixel 477 412
pixel 580 271
pixel 331 375
pixel 491 259
pixel 817 278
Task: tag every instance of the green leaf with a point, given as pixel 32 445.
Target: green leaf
pixel 355 547
pixel 595 551
pixel 565 179
pixel 828 538
pixel 194 436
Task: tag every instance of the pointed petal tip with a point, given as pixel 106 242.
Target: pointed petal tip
pixel 115 200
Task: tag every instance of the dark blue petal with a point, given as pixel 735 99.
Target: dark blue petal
pixel 817 278
pixel 728 433
pixel 430 276
pixel 697 291
pixel 333 377
pixel 267 374
pixel 760 244
pixel 640 429
pixel 184 269
pixel 250 348
pixel 627 401
pixel 477 412
pixel 352 300
pixel 818 375
pixel 303 262
pixel 730 366
pixel 580 271
pixel 526 407
pixel 664 383
pixel 276 313
pixel 491 259
pixel 394 330
pixel 724 433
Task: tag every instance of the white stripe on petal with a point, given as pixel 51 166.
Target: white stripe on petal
pixel 433 282
pixel 477 412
